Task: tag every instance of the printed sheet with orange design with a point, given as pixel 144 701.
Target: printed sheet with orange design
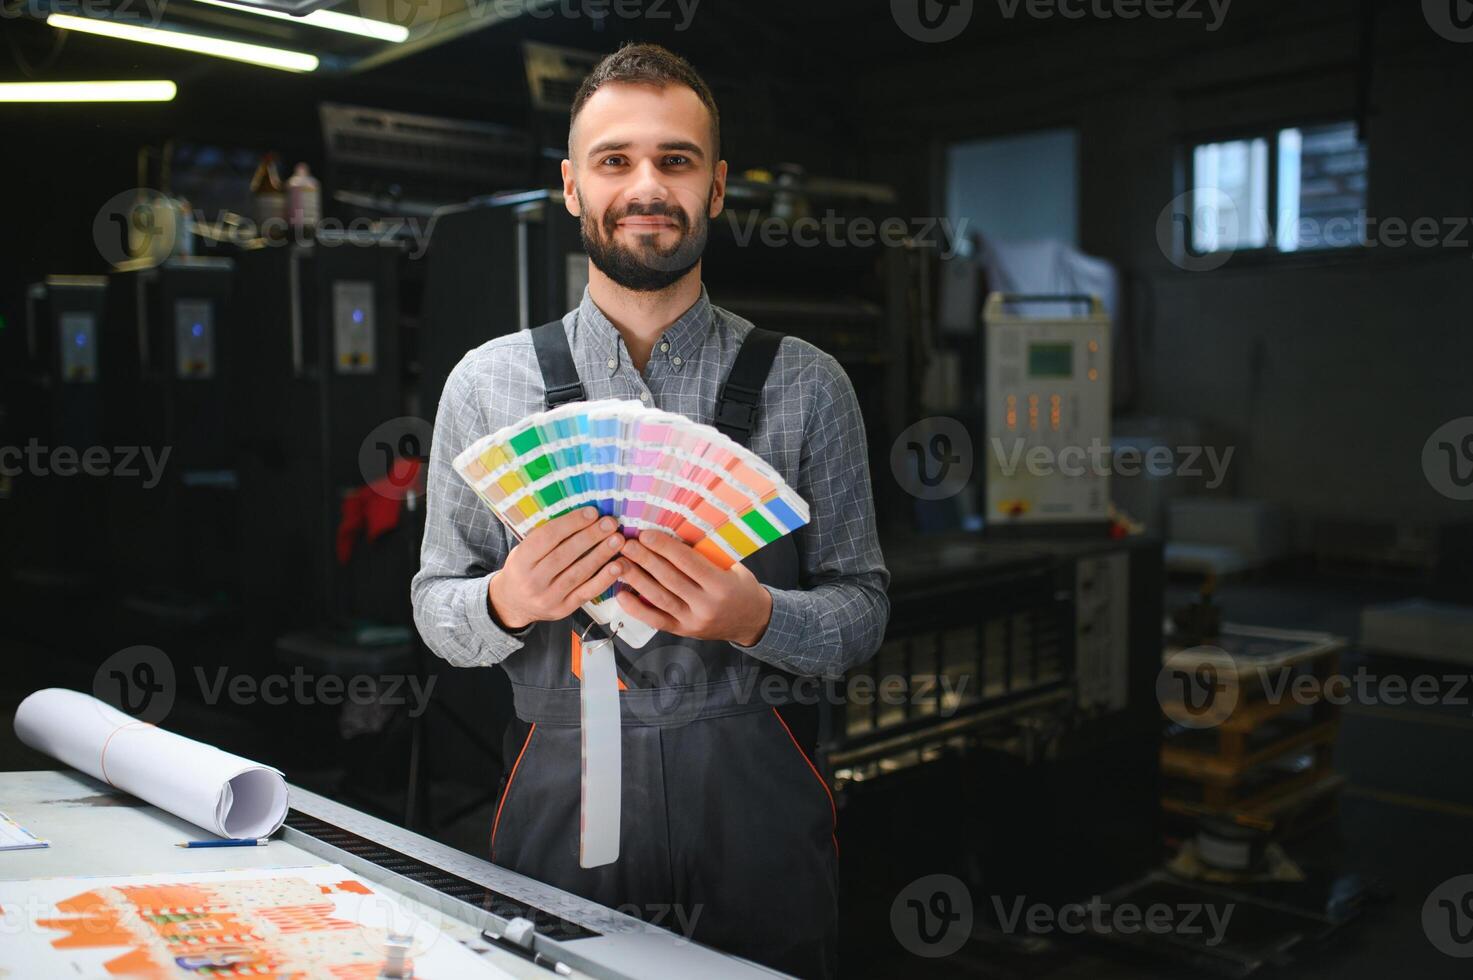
pixel 307 922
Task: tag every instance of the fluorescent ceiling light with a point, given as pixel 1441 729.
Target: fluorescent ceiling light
pixel 328 20
pixel 255 54
pixel 143 91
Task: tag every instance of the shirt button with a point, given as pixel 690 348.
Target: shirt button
pixel 644 396
pixel 675 360
pixel 665 347
pixel 613 362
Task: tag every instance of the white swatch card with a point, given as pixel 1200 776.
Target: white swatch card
pixel 602 783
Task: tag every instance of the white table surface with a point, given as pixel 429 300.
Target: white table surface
pixel 95 829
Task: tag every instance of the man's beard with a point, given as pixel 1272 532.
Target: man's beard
pixel 645 268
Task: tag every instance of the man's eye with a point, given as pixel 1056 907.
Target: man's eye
pixel 613 161
pixel 676 161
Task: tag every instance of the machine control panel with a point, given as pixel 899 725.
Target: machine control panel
pixel 194 338
pixel 354 326
pixel 1048 414
pixel 78 346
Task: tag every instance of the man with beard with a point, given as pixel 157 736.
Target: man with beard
pixel 727 825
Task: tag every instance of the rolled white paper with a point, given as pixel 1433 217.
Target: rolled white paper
pixel 602 782
pixel 220 792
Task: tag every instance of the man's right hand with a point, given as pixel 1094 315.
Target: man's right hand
pixel 556 568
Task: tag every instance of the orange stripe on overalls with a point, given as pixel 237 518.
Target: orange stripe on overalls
pixel 575 658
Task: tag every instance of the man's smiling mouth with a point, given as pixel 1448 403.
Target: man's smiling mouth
pixel 645 223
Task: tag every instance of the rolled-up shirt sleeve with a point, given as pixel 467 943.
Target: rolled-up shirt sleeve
pixel 838 619
pixel 464 544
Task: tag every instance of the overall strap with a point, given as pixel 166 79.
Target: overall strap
pixel 562 385
pixel 736 404
pixel 559 373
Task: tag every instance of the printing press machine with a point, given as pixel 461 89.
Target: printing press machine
pixel 1023 757
pixel 86 820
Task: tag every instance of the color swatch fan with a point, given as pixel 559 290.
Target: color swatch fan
pixel 648 469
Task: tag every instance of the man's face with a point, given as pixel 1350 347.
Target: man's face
pixel 643 182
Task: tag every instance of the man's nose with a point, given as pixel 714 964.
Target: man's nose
pixel 647 185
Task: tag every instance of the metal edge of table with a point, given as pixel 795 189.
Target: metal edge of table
pixel 668 954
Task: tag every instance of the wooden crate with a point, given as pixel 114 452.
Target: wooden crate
pixel 1305 804
pixel 1230 773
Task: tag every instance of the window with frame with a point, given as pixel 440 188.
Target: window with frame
pixel 1301 188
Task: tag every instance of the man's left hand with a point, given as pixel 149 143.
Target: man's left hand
pixel 682 592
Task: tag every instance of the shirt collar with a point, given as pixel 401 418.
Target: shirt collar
pixel 604 343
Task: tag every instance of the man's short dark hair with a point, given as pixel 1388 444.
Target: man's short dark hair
pixel 648 64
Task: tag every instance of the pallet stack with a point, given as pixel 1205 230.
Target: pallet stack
pixel 1262 754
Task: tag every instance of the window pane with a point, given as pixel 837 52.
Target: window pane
pixel 1230 195
pixel 1016 188
pixel 1322 187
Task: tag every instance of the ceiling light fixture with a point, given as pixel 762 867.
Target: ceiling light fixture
pixel 328 20
pixel 255 54
pixel 139 91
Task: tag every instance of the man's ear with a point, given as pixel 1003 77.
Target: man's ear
pixel 570 190
pixel 718 190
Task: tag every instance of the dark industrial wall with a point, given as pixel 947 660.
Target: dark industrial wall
pixel 1329 373
pixel 1313 366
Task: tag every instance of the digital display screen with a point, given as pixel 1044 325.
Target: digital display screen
pixel 1051 360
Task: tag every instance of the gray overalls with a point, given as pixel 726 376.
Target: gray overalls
pixel 727 826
